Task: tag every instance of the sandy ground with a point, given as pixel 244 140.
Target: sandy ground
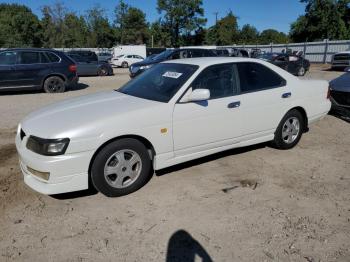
pixel 249 204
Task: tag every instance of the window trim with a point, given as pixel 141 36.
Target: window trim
pixel 37 51
pixel 283 82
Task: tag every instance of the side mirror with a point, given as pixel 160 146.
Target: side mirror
pixel 347 69
pixel 199 95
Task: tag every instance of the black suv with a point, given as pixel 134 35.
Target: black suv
pixel 36 68
pixel 170 54
pixel 87 55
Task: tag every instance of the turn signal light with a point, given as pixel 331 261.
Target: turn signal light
pixel 42 175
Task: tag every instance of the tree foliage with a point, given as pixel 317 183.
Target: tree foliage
pixel 181 17
pixel 18 26
pixel 273 36
pixel 323 19
pixel 249 35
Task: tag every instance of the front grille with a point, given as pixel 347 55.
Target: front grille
pixel 22 134
pixel 342 98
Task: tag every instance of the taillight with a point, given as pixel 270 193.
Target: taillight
pixel 329 93
pixel 72 68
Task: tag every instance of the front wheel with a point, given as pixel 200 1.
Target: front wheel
pixel 102 71
pixel 121 167
pixel 289 131
pixel 125 65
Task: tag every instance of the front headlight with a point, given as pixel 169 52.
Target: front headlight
pixel 145 67
pixel 47 147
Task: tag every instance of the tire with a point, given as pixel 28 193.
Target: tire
pixel 287 135
pixel 54 84
pixel 301 71
pixel 102 71
pixel 114 175
pixel 125 65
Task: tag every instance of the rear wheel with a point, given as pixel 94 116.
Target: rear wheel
pixel 125 65
pixel 289 130
pixel 102 71
pixel 54 84
pixel 121 167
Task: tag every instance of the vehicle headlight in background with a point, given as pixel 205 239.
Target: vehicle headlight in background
pixel 47 147
pixel 145 67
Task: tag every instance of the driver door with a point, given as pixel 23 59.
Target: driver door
pixel 205 125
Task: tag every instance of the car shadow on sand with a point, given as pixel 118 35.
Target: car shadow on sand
pixel 199 161
pixel 79 86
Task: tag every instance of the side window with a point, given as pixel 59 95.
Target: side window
pixel 27 58
pixel 129 56
pixel 53 58
pixel 254 77
pixel 8 58
pixel 219 79
pixel 43 58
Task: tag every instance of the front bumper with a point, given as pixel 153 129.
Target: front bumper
pixel 68 172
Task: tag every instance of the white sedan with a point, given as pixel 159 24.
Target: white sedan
pixel 174 112
pixel 126 60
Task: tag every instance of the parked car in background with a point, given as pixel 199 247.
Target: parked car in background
pixel 340 93
pixel 341 60
pixel 194 108
pixel 86 67
pixel 36 69
pixel 88 55
pixel 126 60
pixel 104 57
pixel 130 49
pixel 169 54
pixel 239 52
pixel 296 65
pixel 255 52
pixel 221 52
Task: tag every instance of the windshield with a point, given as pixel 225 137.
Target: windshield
pixel 159 83
pixel 268 56
pixel 163 55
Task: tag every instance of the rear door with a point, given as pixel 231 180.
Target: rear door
pixel 8 77
pixel 264 99
pixel 282 62
pixel 30 68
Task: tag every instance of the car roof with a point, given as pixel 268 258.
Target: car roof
pixel 30 49
pixel 206 61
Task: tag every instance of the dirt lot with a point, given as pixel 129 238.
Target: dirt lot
pixel 250 204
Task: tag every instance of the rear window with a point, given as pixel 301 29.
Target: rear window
pixel 53 58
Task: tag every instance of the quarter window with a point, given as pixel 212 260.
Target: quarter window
pixel 29 58
pixel 8 58
pixel 219 79
pixel 254 77
pixel 53 58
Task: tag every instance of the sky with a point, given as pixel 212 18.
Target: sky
pixel 263 14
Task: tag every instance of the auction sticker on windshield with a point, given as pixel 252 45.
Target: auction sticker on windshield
pixel 175 75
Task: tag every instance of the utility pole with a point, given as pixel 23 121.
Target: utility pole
pixel 216 17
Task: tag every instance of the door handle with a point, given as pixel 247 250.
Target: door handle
pixel 234 104
pixel 287 95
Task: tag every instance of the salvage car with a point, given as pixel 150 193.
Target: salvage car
pixel 174 112
pixel 36 69
pixel 86 67
pixel 340 93
pixel 341 60
pixel 296 65
pixel 169 54
pixel 126 60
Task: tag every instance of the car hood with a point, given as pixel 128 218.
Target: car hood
pixel 84 116
pixel 342 83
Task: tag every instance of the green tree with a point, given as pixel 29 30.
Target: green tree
pixel 249 35
pixel 19 27
pixel 323 19
pixel 225 32
pixel 76 31
pixel 273 36
pixel 100 32
pixel 119 22
pixel 136 27
pixel 181 17
pixel 161 36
